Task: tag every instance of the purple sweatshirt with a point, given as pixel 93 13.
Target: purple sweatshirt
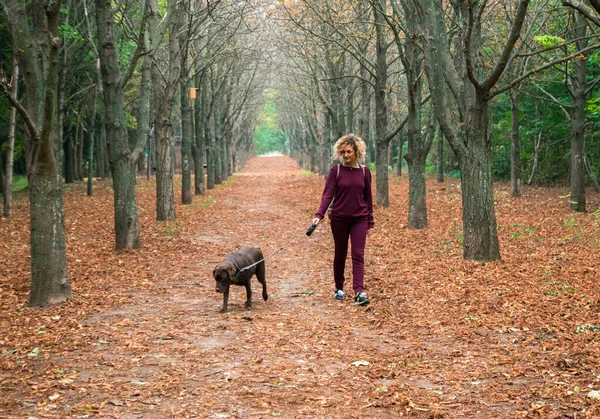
pixel 352 191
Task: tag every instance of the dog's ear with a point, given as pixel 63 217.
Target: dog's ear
pixel 231 272
pixel 215 272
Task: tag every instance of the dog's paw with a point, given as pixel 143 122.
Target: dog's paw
pixel 223 310
pixel 248 305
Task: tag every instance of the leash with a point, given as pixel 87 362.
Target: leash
pixel 308 233
pixel 265 258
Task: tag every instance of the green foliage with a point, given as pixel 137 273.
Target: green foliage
pixel 268 135
pixel 69 32
pixel 19 149
pixel 549 41
pixel 578 226
pixel 454 174
pixel 587 328
pixel 172 229
pixel 539 120
pixel 518 231
pixel 594 59
pixel 558 289
pixel 545 121
pixel 19 183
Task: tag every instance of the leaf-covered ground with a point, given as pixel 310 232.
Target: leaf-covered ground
pixel 442 338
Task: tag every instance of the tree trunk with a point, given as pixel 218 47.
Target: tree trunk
pixel 197 162
pixel 69 164
pixel 400 156
pixel 515 150
pixel 49 276
pixel 350 108
pixel 479 217
pixel 100 154
pixel 127 229
pixel 578 91
pixel 217 132
pixel 210 161
pixel 418 145
pixel 165 169
pixel 417 205
pixel 122 161
pixel 186 144
pixel 79 152
pixel 440 157
pixel 381 179
pixel 90 164
pixel 324 151
pixel 199 129
pixel 35 42
pixel 164 100
pixel 536 153
pixel 145 89
pixel 224 158
pixel 381 112
pixel 151 157
pixel 216 156
pixel 364 126
pixel 10 150
pixel 230 155
pixel 104 147
pixel 91 144
pixel 199 156
pixel 469 137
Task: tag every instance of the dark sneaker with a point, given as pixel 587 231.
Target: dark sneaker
pixel 339 295
pixel 361 299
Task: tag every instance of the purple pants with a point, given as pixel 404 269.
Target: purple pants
pixel 357 233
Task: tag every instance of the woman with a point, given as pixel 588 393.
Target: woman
pixel 348 191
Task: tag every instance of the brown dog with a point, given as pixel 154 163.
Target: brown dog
pixel 228 272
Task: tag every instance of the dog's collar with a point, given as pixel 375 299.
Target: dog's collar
pixel 238 270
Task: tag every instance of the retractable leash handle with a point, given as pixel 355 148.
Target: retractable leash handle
pixel 311 229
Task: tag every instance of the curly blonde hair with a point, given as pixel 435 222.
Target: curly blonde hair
pixel 350 139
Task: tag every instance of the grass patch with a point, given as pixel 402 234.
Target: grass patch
pixel 518 231
pixel 305 172
pixel 171 230
pixel 19 183
pixel 207 201
pixel 552 288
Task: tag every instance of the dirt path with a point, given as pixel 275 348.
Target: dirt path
pixel 290 357
pixel 438 340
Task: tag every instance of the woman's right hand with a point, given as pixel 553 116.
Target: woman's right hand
pixel 316 221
